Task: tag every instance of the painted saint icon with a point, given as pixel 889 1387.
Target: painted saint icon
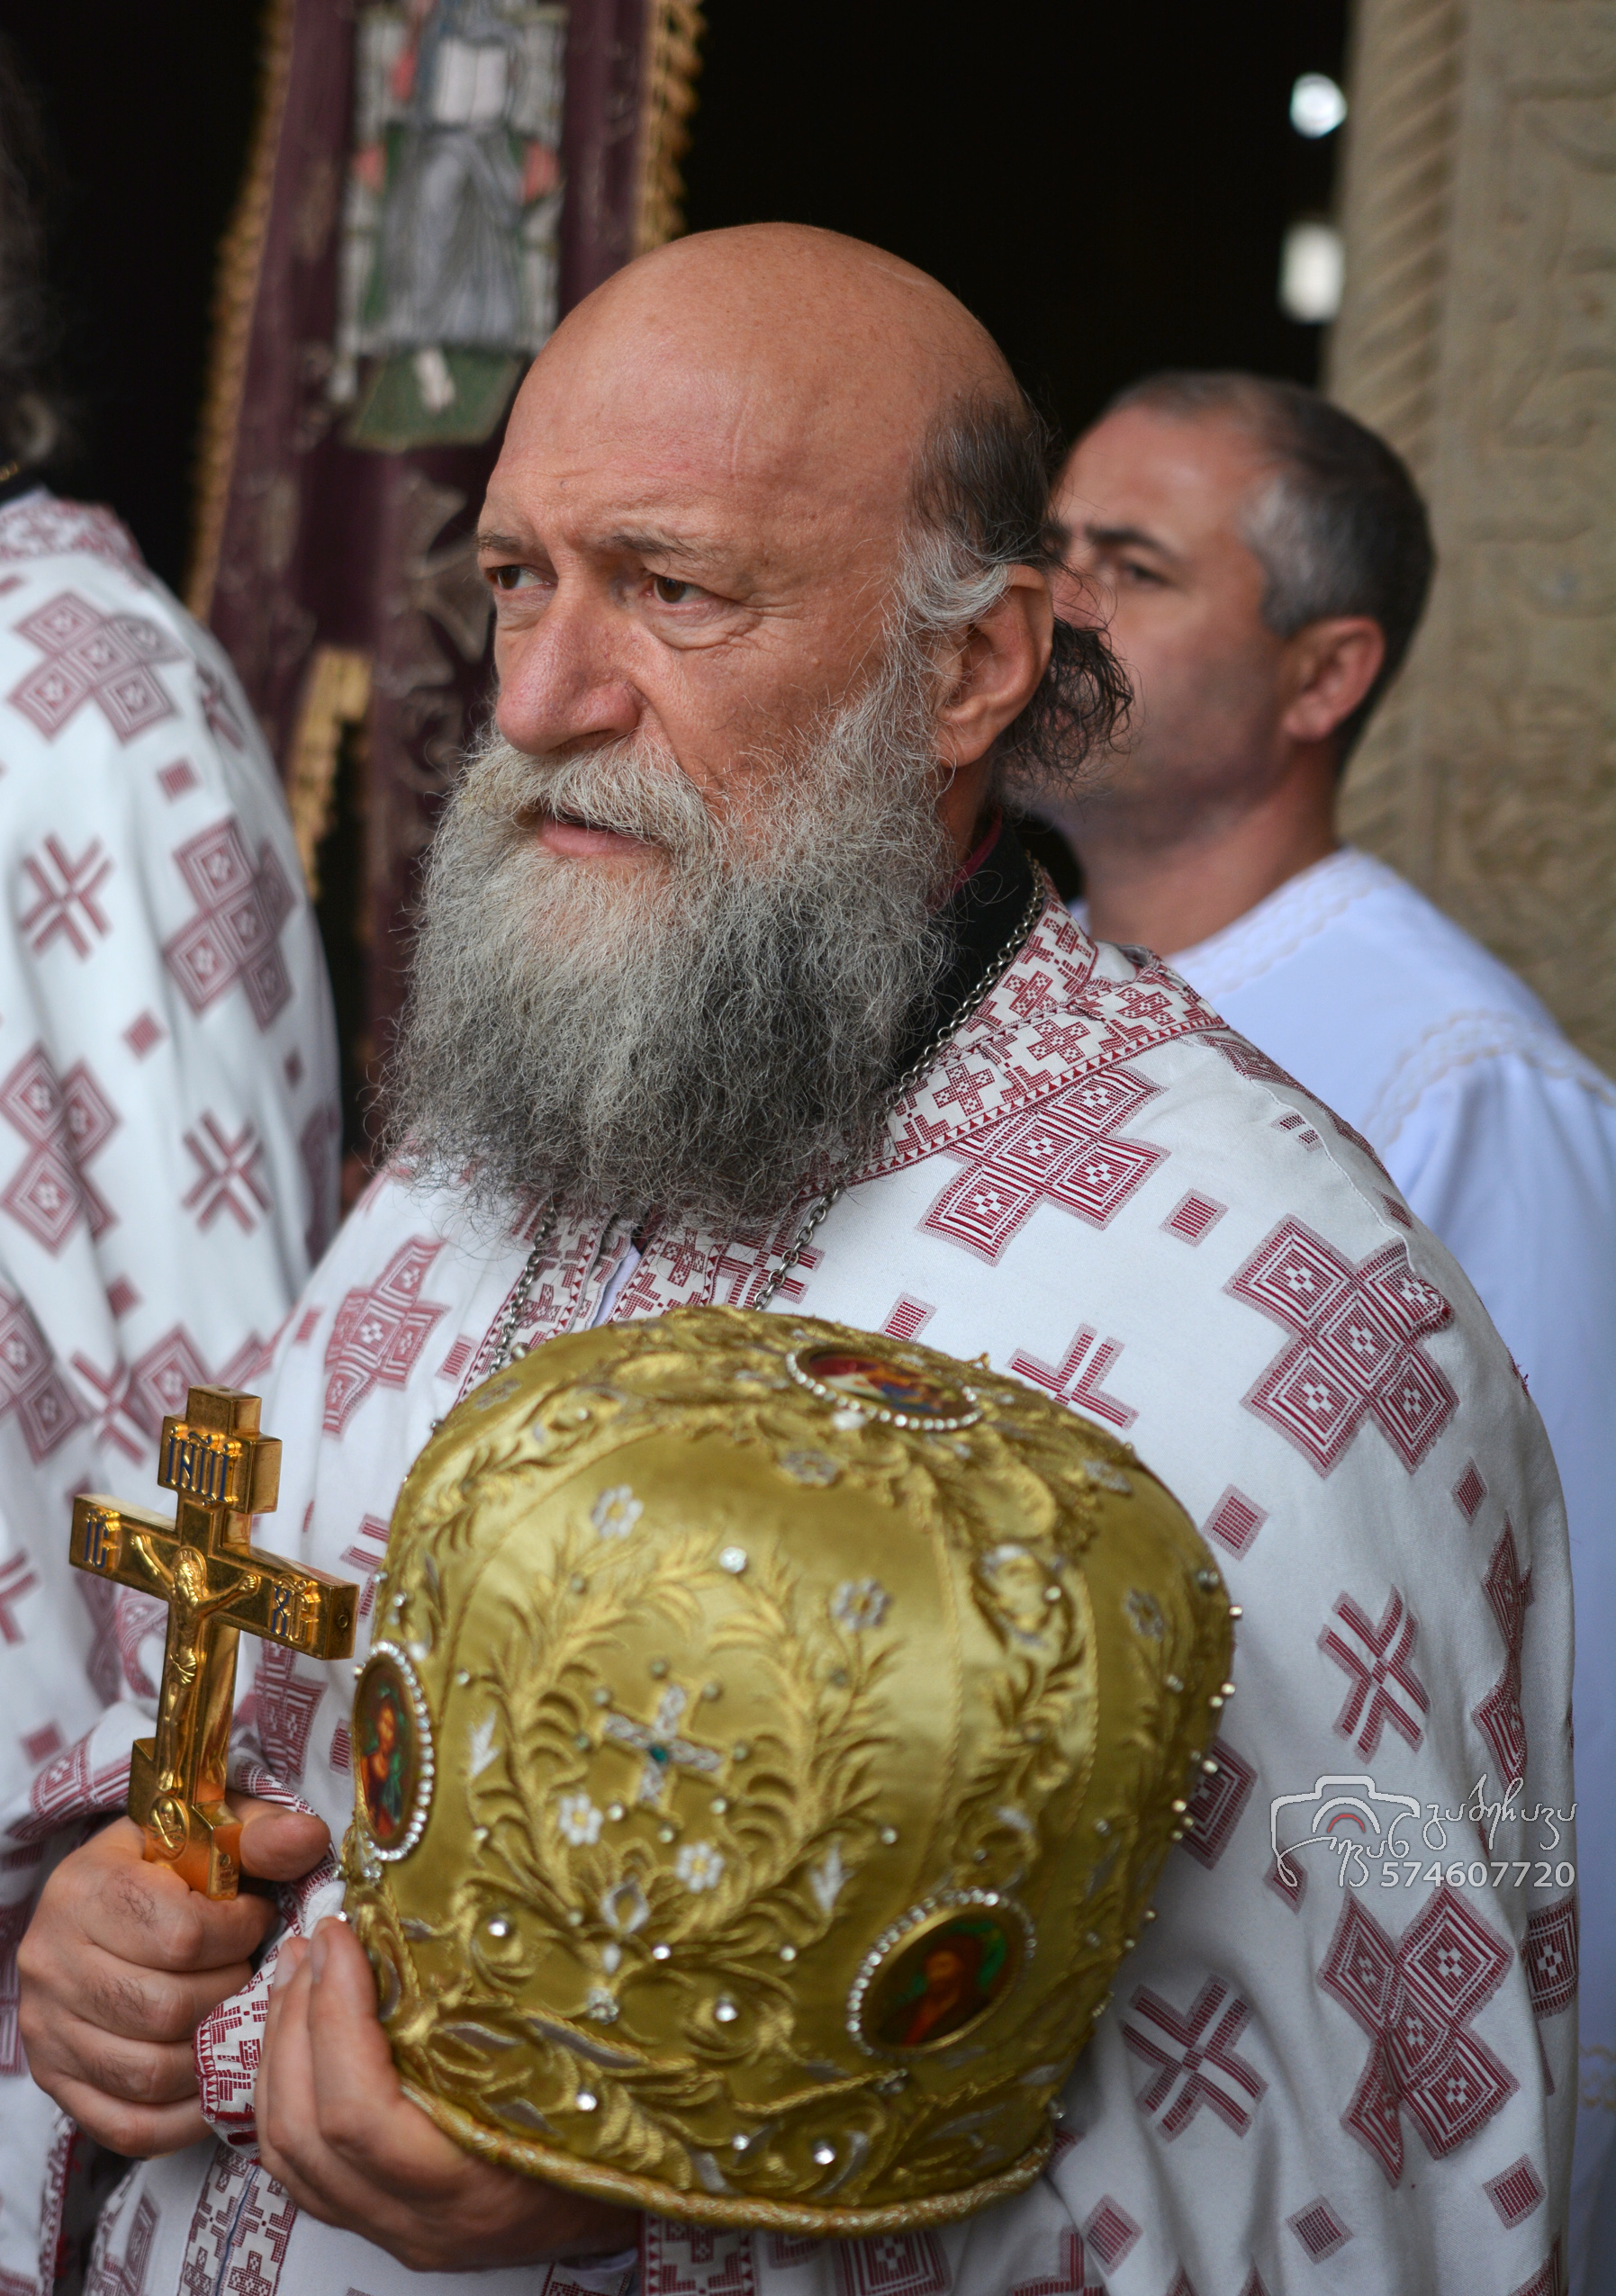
pixel 941 1981
pixel 386 1751
pixel 879 1384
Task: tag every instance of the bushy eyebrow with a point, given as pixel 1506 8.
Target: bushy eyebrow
pixel 644 541
pixel 1127 538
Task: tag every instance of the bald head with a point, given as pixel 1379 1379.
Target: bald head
pixel 814 358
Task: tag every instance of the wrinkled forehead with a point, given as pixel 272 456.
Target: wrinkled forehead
pixel 780 457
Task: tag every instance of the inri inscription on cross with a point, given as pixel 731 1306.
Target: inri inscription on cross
pixel 216 1584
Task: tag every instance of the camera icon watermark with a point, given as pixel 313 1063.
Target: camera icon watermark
pixel 1396 1841
pixel 1340 1814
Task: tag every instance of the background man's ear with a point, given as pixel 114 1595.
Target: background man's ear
pixel 1334 662
pixel 996 668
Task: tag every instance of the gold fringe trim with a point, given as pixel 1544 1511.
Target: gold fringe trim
pixel 673 58
pixel 741 2209
pixel 235 296
pixel 337 693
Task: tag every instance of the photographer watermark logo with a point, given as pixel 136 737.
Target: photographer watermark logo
pixel 1339 1813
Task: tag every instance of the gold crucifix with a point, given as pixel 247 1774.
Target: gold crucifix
pixel 216 1583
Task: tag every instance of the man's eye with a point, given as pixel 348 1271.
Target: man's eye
pixel 1133 572
pixel 670 591
pixel 505 577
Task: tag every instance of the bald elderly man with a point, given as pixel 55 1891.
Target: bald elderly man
pixel 734 986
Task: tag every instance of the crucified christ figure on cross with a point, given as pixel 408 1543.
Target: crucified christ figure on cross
pixel 191 1606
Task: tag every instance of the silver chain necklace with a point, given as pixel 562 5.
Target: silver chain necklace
pixel 506 1350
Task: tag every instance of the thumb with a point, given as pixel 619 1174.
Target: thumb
pixel 278 1844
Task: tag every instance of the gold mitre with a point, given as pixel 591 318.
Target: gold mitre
pixel 769 1744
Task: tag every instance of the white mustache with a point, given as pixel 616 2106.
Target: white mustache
pixel 633 788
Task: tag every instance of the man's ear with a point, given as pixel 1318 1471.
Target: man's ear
pixel 996 668
pixel 1333 664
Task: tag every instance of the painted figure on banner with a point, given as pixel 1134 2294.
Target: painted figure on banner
pixel 449 257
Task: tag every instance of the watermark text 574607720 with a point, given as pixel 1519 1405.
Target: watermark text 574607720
pixel 1391 1841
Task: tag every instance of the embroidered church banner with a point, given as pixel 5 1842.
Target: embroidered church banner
pixel 432 183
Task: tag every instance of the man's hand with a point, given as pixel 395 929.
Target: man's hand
pixel 121 1964
pixel 335 2128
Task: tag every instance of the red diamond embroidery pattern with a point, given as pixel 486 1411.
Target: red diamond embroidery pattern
pixel 1217 1804
pixel 1551 1957
pixel 1415 2000
pixel 1516 2192
pixel 378 1332
pixel 1357 1355
pixel 234 934
pixel 1111 2232
pixel 1319 2229
pixel 1065 1153
pixel 48 1410
pixel 1235 1521
pixel 1194 1218
pixel 103 658
pixel 908 1318
pixel 1469 1490
pixel 1499 1716
pixel 65 907
pixel 68 1123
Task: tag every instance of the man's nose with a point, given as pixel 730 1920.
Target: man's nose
pixel 563 678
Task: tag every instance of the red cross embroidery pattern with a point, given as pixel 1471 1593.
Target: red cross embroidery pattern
pixel 1081 1388
pixel 64 907
pixel 230 1176
pixel 1070 2276
pixel 46 1407
pixel 103 658
pixel 1194 2058
pixel 1499 1717
pixel 16 1577
pixel 66 1124
pixel 1064 1153
pixel 234 934
pixel 1379 1661
pixel 1415 2001
pixel 1356 1356
pixel 378 1332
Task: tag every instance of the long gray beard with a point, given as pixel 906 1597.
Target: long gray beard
pixel 710 1040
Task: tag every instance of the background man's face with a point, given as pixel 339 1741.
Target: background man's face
pixel 676 557
pixel 1154 506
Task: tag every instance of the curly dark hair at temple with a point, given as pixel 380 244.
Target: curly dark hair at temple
pixel 31 421
pixel 979 505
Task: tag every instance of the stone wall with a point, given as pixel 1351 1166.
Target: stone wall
pixel 1478 334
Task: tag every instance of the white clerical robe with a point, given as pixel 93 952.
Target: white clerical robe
pixel 1503 1138
pixel 169 1130
pixel 1351 2069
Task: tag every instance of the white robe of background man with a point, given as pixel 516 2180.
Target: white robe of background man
pixel 168 1131
pixel 1320 2077
pixel 1503 1138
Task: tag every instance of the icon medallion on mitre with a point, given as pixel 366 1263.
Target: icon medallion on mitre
pixel 770 1744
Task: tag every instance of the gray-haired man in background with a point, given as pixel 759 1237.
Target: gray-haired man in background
pixel 1264 560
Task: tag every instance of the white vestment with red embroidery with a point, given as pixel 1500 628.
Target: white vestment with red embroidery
pixel 1503 1138
pixel 1363 2060
pixel 168 1131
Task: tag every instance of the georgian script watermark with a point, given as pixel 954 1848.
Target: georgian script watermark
pixel 1391 1842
